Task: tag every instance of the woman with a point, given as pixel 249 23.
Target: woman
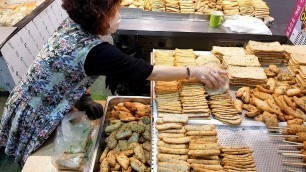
pixel 66 67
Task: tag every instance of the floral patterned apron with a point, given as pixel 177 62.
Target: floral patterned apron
pixel 53 83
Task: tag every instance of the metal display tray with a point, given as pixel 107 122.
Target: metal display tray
pixel 250 133
pixel 245 120
pixel 100 143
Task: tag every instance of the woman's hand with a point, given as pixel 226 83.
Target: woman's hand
pixel 92 109
pixel 210 77
pixel 213 79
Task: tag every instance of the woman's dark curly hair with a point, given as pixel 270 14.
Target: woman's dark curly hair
pixel 91 14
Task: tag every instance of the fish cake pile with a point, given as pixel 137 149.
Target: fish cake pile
pixel 172 6
pixel 128 146
pixel 172 143
pixel 242 61
pixel 273 102
pixel 193 98
pixel 261 9
pixel 230 7
pixel 132 3
pixel 186 6
pixel 297 129
pixel 207 60
pixel 246 7
pixel 167 96
pixel 223 109
pixel 297 66
pixel 213 5
pixel 200 6
pixel 267 53
pixel 219 52
pixel 129 111
pixel 184 147
pixel 158 5
pixel 165 58
pixel 292 49
pixel 249 76
pixel 184 57
pixel 238 159
pixel 204 149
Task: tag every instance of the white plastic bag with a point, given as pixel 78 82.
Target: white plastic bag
pixel 246 24
pixel 72 140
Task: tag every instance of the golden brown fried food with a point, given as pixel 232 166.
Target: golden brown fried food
pixel 300 102
pixel 137 165
pixel 270 119
pixel 240 92
pixel 111 158
pixel 246 95
pixel 294 92
pixel 104 167
pixel 288 117
pixel 252 110
pixel 269 73
pixel 289 102
pixel 259 118
pixel 238 105
pixel 274 69
pixel 278 102
pixel 130 106
pixel 294 128
pixel 125 116
pixel 272 104
pixel 290 111
pixel 264 106
pixel 264 90
pixel 123 160
pixel 113 114
pixel 301 137
pixel 261 95
pixel 121 108
pixel 142 110
pixel 272 83
pixel 139 153
pixel 284 77
pixel 295 121
pixel 281 90
pixel 302 113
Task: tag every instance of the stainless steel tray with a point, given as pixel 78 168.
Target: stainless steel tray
pixel 100 143
pixel 265 148
pixel 245 120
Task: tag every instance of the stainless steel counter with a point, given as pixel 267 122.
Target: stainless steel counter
pixel 162 25
pixel 145 26
pixel 154 33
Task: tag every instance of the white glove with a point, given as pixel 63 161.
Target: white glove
pixel 210 77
